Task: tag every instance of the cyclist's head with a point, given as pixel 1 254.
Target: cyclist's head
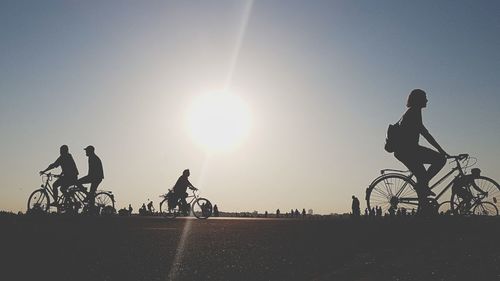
pixel 89 150
pixel 353 197
pixel 417 98
pixel 476 172
pixel 64 149
pixel 186 173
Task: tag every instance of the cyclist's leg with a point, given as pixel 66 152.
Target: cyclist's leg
pixel 182 201
pixel 66 182
pixel 429 156
pixel 93 188
pixel 55 187
pixel 412 162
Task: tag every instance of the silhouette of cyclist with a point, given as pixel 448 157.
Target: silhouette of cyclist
pixel 95 174
pixel 181 186
pixel 69 174
pixel 414 156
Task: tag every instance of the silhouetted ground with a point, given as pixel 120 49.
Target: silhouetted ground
pixel 134 248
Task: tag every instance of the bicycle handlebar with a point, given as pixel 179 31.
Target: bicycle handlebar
pixel 459 157
pixel 49 174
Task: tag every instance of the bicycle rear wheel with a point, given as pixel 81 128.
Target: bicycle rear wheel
pixel 104 203
pixel 485 209
pixel 201 208
pixel 38 202
pixel 166 212
pixel 448 208
pixel 392 190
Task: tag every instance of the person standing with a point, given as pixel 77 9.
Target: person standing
pixel 355 207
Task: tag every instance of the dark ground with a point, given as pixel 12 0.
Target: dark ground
pixel 124 248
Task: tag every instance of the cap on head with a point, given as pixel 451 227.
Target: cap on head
pixel 89 148
pixel 186 172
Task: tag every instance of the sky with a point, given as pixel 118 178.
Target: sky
pixel 321 81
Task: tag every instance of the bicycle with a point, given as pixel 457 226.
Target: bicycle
pixel 72 201
pixel 396 188
pixel 476 207
pixel 200 207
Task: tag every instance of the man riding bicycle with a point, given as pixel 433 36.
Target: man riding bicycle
pixel 461 187
pixel 95 174
pixel 69 174
pixel 180 190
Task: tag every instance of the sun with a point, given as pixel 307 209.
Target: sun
pixel 219 121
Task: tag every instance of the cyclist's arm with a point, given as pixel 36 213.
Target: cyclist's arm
pixel 53 165
pixel 191 186
pixel 477 188
pixel 431 140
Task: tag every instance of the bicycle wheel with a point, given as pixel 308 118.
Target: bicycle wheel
pixel 166 212
pixel 485 209
pixel 201 208
pixel 448 208
pixel 38 202
pixel 104 203
pixel 394 190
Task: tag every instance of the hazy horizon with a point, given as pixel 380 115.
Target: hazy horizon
pixel 320 82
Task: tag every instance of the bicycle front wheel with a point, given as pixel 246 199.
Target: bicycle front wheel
pixel 485 209
pixel 392 190
pixel 38 202
pixel 202 208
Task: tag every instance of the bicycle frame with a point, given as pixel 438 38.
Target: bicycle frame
pixel 443 178
pixel 48 188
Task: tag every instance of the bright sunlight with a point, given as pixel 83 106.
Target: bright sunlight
pixel 219 121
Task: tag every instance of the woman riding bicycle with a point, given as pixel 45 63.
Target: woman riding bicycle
pixel 413 155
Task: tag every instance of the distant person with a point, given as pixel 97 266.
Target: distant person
pixel 142 210
pixel 392 211
pixel 277 213
pixel 265 214
pixel 414 156
pixel 366 211
pixel 69 174
pixel 304 212
pixel 95 174
pixel 150 207
pixel 356 211
pixel 130 209
pixel 297 213
pixel 181 186
pixel 216 211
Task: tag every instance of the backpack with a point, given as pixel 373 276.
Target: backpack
pixel 394 136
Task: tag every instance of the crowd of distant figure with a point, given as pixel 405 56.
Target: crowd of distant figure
pixel 377 210
pixel 149 210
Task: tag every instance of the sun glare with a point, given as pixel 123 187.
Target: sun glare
pixel 219 120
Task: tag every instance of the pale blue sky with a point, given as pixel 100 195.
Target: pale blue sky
pixel 322 79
